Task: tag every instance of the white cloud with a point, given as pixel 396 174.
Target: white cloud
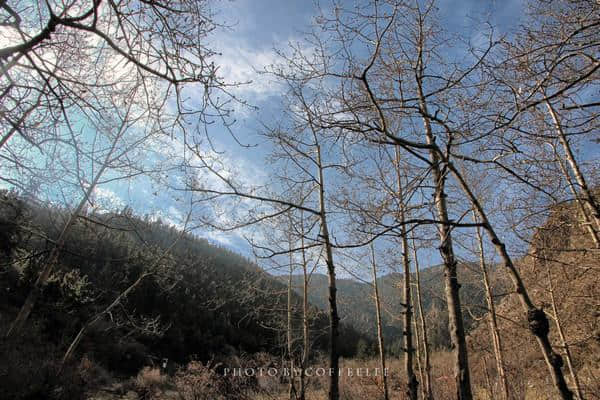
pixel 242 64
pixel 9 37
pixel 106 200
pixel 219 238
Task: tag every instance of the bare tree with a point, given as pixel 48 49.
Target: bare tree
pixel 364 111
pixel 301 148
pixel 418 352
pixel 411 380
pixel 110 159
pixel 425 82
pixel 494 330
pixel 61 53
pixel 380 340
pixel 305 310
pixel 426 384
pixel 545 75
pixel 74 66
pixel 289 327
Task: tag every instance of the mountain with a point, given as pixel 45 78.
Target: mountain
pixel 357 307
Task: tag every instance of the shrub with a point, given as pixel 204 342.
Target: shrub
pixel 29 369
pixel 92 373
pixel 199 382
pixel 150 378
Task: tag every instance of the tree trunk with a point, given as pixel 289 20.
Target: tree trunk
pixel 563 340
pixel 292 388
pixel 334 319
pixel 380 340
pixel 494 331
pixel 411 380
pixel 427 392
pixel 536 318
pixel 455 319
pixel 334 390
pixel 305 326
pixel 418 352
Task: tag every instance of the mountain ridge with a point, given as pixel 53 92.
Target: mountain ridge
pixel 356 305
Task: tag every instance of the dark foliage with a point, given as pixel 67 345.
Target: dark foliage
pixel 201 301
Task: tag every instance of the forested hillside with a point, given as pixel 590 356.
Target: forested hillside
pixel 158 293
pixel 357 305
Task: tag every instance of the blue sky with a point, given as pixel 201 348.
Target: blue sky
pixel 255 29
pixel 259 27
pixel 251 32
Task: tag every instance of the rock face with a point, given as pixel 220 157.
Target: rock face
pixel 561 264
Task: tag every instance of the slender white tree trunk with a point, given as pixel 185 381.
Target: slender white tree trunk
pixel 380 340
pixel 494 331
pixel 305 324
pixel 411 380
pixel 427 392
pixel 334 319
pixel 455 319
pixel 418 353
pixel 292 388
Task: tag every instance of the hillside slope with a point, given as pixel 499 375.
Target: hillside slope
pixel 356 303
pixel 562 263
pixel 196 301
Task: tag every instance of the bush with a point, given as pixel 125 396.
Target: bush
pixel 29 369
pixel 150 378
pixel 92 373
pixel 200 382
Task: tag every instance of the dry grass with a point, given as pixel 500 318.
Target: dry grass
pixel 199 381
pixel 150 378
pixel 371 387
